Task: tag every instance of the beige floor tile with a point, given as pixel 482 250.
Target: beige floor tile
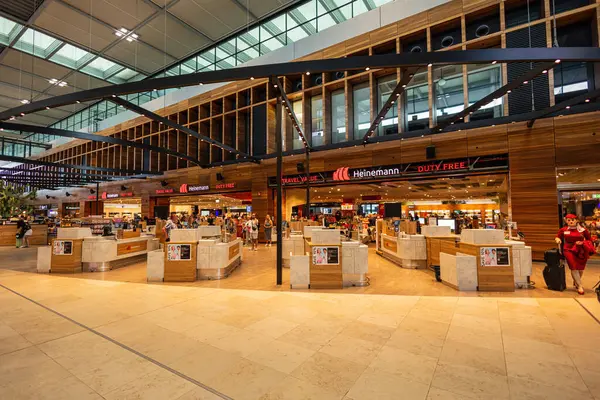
pixel 541 332
pixel 540 351
pixel 585 359
pixel 10 340
pixel 424 345
pixel 242 342
pixel 208 331
pixel 352 349
pixel 295 389
pixel 330 373
pixel 310 336
pixel 440 394
pixel 206 363
pixel 410 366
pixel 436 315
pixel 281 356
pixel 550 373
pixel 159 385
pixel 477 357
pixel 475 337
pixel 592 381
pixel 199 394
pixel 381 385
pixel 246 380
pixel 45 328
pixel 272 326
pixel 240 319
pixel 481 323
pixel 388 320
pixel 437 330
pixel 470 382
pixel 522 389
pixel 173 319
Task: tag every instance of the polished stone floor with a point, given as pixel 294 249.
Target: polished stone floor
pixel 101 336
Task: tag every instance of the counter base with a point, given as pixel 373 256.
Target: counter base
pixel 361 281
pixel 114 264
pixel 404 263
pixel 218 273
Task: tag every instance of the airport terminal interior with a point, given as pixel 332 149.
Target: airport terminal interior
pixel 299 199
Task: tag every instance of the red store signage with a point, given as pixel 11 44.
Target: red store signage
pixel 107 196
pixel 164 191
pixel 225 185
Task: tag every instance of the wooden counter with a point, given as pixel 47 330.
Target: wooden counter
pixel 325 276
pixel 39 237
pixel 434 245
pixel 181 270
pixel 66 263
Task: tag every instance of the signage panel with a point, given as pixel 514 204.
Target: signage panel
pixel 179 252
pixel 326 255
pixel 494 256
pixel 428 168
pixel 185 188
pixel 225 185
pixel 62 247
pixel 108 196
pixel 164 191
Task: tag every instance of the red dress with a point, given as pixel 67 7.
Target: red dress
pixel 576 255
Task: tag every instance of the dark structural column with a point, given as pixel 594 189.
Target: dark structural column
pixel 279 150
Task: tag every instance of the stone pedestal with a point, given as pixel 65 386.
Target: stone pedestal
pixel 459 271
pixel 155 270
pixel 299 272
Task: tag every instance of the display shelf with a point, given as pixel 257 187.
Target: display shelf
pixel 96 224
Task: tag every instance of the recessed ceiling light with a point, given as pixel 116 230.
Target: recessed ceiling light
pixel 25 101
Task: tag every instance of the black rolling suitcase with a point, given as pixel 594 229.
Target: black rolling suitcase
pixel 554 272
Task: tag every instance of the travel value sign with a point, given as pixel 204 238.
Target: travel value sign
pixel 428 168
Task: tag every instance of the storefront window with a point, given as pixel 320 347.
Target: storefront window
pixel 385 87
pixel 483 80
pixel 316 111
pixel 416 103
pixel 297 107
pixel 362 110
pixel 448 92
pixel 338 116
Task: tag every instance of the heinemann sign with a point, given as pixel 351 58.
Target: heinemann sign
pixel 460 166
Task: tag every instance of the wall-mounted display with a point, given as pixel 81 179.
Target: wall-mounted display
pixel 325 256
pixel 62 248
pixel 179 252
pixel 494 256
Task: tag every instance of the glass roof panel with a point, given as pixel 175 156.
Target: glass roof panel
pixel 248 39
pixel 71 56
pixel 124 76
pixel 101 68
pixel 37 43
pixel 8 30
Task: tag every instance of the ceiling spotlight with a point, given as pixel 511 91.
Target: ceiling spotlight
pixel 114 95
pixel 557 61
pixel 47 108
pixel 430 65
pixel 12 118
pixel 22 114
pixel 568 107
pixel 545 71
pixel 366 69
pixel 307 72
pixel 494 62
pixel 25 101
pixel 251 78
pixel 509 91
pixel 525 82
pixel 78 102
pixel 53 81
pixel 587 100
pixel 62 84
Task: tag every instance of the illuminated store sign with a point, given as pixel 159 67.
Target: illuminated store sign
pixel 428 168
pixel 185 188
pixel 108 196
pixel 164 191
pixel 225 185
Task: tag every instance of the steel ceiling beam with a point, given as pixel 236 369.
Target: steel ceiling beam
pixel 380 61
pixel 22 160
pixel 498 93
pixel 290 111
pixel 95 138
pixel 153 116
pixel 564 105
pixel 407 75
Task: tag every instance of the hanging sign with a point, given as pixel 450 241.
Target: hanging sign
pixel 439 167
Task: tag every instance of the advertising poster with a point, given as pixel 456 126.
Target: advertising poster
pixel 494 256
pixel 326 256
pixel 179 252
pixel 62 248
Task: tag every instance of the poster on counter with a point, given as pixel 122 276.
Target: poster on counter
pixel 179 252
pixel 494 256
pixel 63 248
pixel 326 256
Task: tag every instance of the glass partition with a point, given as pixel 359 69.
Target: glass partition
pixel 483 80
pixel 362 109
pixel 416 103
pixel 385 87
pixel 338 116
pixel 448 92
pixel 316 114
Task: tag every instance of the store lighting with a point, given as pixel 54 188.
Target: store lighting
pixel 25 101
pixel 557 61
pixel 430 65
pixel 494 62
pixel 545 71
pixel 12 118
pixel 587 100
pixel 366 69
pixel 307 72
pixel 525 82
pixel 568 107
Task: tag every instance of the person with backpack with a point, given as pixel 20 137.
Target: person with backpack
pixel 28 232
pixel 20 231
pixel 576 248
pixel 253 232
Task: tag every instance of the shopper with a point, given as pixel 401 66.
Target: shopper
pixel 253 231
pixel 20 231
pixel 268 230
pixel 170 225
pixel 576 248
pixel 28 232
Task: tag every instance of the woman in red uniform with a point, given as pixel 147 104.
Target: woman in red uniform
pixel 575 250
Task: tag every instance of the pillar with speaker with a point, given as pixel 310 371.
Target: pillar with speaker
pixel 220 176
pixel 430 152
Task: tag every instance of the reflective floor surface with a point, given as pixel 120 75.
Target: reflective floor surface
pixel 99 336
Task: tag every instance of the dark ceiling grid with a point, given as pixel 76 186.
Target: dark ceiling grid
pixel 22 10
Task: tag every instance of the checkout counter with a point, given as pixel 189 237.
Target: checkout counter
pixel 77 250
pixel 325 261
pixel 191 254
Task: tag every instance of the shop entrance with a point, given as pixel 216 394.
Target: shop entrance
pixel 212 204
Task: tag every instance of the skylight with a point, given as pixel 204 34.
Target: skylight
pixel 8 30
pixel 71 56
pixel 37 43
pixel 101 68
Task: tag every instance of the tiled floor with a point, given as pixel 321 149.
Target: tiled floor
pixel 128 340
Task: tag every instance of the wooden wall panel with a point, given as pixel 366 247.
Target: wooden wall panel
pixel 577 139
pixel 534 200
pixel 486 141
